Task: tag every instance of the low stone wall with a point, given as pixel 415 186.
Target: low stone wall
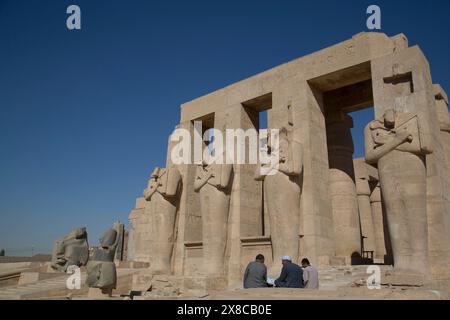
pixel 36 258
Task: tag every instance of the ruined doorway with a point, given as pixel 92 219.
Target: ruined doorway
pixel 343 96
pixel 254 224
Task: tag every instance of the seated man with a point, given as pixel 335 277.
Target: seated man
pixel 255 275
pixel 310 275
pixel 291 275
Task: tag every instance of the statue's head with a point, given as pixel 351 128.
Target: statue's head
pixel 389 118
pixel 108 238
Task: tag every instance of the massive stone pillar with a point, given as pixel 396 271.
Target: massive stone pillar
pixel 189 227
pixel 152 224
pixel 136 226
pixel 282 189
pixel 443 116
pixel 444 125
pixel 246 201
pixel 162 195
pixel 412 171
pixel 444 120
pixel 378 224
pixel 142 247
pixel 120 250
pixel 317 226
pixel 401 164
pixel 213 182
pixel 342 185
pixel 365 210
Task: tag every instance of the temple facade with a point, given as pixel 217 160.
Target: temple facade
pixel 390 207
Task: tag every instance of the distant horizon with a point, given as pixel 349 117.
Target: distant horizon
pixel 85 114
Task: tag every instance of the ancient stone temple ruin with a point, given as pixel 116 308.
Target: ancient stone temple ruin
pixel 391 207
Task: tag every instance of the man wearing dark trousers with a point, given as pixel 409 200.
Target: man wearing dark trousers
pixel 291 274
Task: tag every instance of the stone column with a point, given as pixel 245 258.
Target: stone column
pixel 214 184
pixel 444 125
pixel 162 232
pixel 138 226
pixel 365 211
pixel 189 225
pixel 215 204
pixel 342 185
pixel 402 82
pixel 132 218
pixel 316 220
pixel 120 250
pixel 443 116
pixel 378 225
pixel 245 218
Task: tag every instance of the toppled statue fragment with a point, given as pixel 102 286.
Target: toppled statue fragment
pixel 72 249
pixel 101 268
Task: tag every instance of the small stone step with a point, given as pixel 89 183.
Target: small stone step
pixel 9 297
pixel 12 290
pixel 13 293
pixel 35 286
pixel 55 281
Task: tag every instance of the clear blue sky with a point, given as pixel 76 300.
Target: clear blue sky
pixel 85 115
